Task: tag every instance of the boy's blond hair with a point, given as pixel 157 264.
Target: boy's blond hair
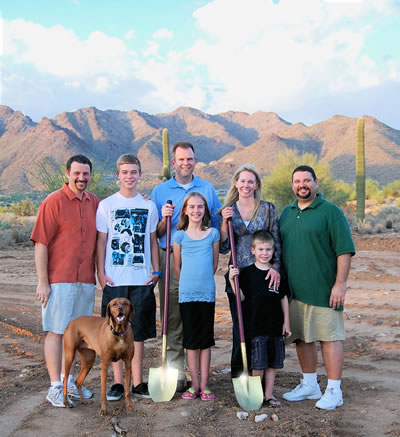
pixel 128 158
pixel 262 236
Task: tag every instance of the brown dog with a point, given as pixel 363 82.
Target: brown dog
pixel 110 337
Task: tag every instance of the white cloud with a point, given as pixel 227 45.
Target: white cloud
pixel 285 57
pixel 163 34
pixel 151 49
pixel 266 55
pixel 131 34
pixel 59 51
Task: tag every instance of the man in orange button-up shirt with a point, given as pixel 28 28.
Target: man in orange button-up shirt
pixel 65 245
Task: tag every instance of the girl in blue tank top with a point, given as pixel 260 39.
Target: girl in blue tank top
pixel 196 248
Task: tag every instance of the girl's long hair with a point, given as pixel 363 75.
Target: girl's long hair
pixel 184 219
pixel 233 194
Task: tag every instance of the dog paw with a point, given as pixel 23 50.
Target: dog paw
pixel 86 401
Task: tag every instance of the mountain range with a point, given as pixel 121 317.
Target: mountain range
pixel 222 142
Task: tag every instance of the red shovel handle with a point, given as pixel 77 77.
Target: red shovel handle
pixel 236 280
pixel 167 275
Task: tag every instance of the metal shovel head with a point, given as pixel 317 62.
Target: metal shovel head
pixel 162 383
pixel 248 392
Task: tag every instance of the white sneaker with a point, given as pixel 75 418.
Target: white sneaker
pixel 303 391
pixel 55 397
pixel 74 393
pixel 330 400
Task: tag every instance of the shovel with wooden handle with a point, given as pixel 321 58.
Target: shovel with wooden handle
pixel 163 380
pixel 248 389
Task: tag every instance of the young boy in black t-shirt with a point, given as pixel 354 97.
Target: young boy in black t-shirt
pixel 265 313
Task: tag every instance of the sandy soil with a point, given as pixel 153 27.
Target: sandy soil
pixel 371 380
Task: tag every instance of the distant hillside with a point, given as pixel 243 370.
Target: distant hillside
pixel 223 142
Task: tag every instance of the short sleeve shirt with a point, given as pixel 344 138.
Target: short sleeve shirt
pixel 196 282
pixel 262 307
pixel 312 239
pixel 171 190
pixel 67 226
pixel 128 223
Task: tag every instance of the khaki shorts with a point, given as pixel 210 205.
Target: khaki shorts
pixel 311 323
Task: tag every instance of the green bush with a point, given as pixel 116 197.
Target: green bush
pixel 277 186
pixel 392 189
pixel 373 190
pixel 25 208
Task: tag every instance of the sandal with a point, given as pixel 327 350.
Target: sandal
pixel 272 402
pixel 207 395
pixel 190 393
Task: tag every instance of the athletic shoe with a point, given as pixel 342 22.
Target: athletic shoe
pixel 116 393
pixel 73 392
pixel 140 391
pixel 55 396
pixel 330 400
pixel 303 391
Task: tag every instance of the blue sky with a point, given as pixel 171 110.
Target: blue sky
pixel 306 60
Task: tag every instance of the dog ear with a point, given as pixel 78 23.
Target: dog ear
pixel 108 313
pixel 131 314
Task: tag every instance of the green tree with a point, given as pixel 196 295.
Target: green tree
pixel 52 176
pixel 277 186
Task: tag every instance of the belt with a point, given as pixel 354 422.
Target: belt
pixel 164 249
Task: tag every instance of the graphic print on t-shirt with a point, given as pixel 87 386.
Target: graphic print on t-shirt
pixel 128 228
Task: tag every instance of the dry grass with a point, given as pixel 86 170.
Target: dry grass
pixel 15 231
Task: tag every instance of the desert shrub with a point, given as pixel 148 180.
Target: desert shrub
pixel 15 231
pixel 371 220
pixel 373 190
pixel 392 211
pixel 392 189
pixel 25 208
pixel 277 186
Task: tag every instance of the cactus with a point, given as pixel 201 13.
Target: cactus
pixel 360 171
pixel 166 174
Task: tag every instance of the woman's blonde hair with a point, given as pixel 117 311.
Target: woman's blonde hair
pixel 233 194
pixel 184 220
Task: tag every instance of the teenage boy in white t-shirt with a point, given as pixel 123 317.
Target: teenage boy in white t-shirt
pixel 126 248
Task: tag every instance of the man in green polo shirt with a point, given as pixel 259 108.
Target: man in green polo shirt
pixel 316 250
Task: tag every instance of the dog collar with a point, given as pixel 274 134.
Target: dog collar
pixel 119 334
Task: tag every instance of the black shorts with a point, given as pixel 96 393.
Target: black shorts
pixel 198 324
pixel 267 352
pixel 144 304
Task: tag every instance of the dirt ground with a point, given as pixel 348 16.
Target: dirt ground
pixel 371 379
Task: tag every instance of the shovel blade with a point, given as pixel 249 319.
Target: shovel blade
pixel 248 392
pixel 162 383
